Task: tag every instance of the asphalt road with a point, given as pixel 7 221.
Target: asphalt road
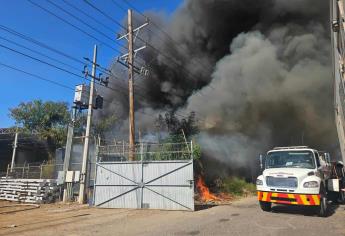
pixel 240 218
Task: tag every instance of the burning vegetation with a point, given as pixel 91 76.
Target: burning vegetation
pixel 204 192
pixel 225 190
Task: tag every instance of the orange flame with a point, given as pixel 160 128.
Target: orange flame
pixel 204 192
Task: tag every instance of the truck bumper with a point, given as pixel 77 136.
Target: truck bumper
pixel 290 198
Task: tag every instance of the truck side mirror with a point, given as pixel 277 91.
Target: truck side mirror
pixel 261 161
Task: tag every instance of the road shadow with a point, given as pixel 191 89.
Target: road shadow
pixel 303 210
pixel 200 207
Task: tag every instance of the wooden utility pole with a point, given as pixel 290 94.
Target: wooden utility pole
pixel 88 128
pixel 131 156
pixel 128 59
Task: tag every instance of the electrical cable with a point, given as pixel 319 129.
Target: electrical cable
pixel 43 45
pixel 74 26
pixel 37 76
pixel 88 25
pixel 87 15
pixel 39 53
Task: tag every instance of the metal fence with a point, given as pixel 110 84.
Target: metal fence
pixel 146 152
pixel 43 170
pixel 34 171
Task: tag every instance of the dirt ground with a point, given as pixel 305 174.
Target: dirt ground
pixel 243 217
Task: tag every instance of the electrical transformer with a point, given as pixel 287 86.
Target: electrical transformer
pixel 81 96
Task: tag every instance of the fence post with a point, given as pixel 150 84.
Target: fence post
pixel 123 149
pixel 97 150
pixel 23 172
pixel 141 152
pixel 41 170
pixel 8 166
pixel 191 149
pixel 27 171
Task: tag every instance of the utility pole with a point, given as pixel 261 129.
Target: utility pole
pixel 129 63
pixel 88 128
pixel 68 151
pixel 130 88
pixel 14 150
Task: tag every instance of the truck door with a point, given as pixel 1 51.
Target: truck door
pixel 323 166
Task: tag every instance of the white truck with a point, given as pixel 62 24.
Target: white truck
pixel 299 175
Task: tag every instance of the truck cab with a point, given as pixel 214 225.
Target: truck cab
pixel 294 176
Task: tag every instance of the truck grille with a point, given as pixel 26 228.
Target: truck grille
pixel 290 182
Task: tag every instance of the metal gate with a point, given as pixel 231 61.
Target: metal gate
pixel 154 184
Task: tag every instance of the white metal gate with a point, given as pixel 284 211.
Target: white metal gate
pixel 145 184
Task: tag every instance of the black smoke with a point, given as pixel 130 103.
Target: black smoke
pixel 257 74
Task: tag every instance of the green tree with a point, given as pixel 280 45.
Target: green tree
pixel 175 126
pixel 49 119
pixel 102 126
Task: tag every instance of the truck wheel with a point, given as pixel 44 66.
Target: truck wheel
pixel 342 197
pixel 266 206
pixel 322 209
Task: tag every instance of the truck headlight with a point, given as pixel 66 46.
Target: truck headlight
pixel 259 182
pixel 311 184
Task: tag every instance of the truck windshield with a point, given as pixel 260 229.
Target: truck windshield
pixel 290 159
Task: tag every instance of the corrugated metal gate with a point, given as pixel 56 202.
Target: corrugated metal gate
pixel 163 184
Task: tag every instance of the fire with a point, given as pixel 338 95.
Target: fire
pixel 204 192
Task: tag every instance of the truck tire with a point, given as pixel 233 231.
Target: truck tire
pixel 266 206
pixel 322 210
pixel 342 197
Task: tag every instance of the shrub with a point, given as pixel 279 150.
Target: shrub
pixel 48 172
pixel 237 186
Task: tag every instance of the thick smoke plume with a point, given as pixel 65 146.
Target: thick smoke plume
pixel 259 75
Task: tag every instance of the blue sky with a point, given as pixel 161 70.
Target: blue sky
pixel 22 16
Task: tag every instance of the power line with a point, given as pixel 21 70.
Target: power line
pixel 39 53
pixel 43 45
pixel 44 79
pixel 52 65
pixel 41 61
pixel 104 14
pixel 29 39
pixel 88 25
pixel 87 15
pixel 78 28
pixel 119 6
pixel 104 70
pixel 111 19
pixel 37 76
pixel 74 26
pixel 57 67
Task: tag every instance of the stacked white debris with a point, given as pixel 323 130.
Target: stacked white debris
pixel 29 190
